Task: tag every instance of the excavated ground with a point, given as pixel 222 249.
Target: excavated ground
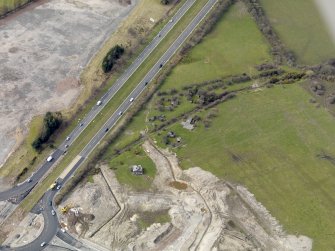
pixel 206 213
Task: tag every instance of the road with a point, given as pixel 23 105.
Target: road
pixel 51 222
pixel 36 177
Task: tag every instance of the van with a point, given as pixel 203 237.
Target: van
pixel 50 158
pixel 99 103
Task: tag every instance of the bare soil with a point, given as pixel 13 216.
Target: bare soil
pixel 206 213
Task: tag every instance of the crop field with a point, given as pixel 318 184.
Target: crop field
pixel 301 28
pixel 9 5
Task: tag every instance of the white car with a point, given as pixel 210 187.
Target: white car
pixel 67 138
pixel 50 158
pixel 43 244
pixel 99 102
pixel 131 100
pixel 120 113
pixel 171 20
pixel 63 230
pixel 53 212
pixel 58 187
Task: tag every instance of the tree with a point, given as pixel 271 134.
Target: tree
pixel 112 56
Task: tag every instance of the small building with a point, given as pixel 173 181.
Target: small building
pixel 171 134
pixel 137 169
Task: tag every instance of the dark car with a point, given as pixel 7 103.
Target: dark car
pixel 145 83
pixel 161 65
pixel 50 203
pixel 106 130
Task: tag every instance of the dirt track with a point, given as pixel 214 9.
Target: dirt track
pixel 42 52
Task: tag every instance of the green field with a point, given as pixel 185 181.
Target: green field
pixel 234 46
pixel 122 163
pixel 240 47
pixel 269 141
pixel 9 5
pixel 301 28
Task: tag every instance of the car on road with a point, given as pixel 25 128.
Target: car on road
pixel 131 100
pixel 161 65
pixel 67 138
pixel 29 180
pixel 106 130
pixel 50 203
pixel 53 212
pixel 58 187
pixel 66 146
pixel 146 83
pixel 171 20
pixel 43 244
pixel 120 113
pixel 81 124
pixel 50 158
pixel 99 102
pixel 63 230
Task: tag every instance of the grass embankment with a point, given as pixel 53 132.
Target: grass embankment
pixel 109 109
pixel 10 5
pixel 92 78
pixel 122 163
pixel 299 25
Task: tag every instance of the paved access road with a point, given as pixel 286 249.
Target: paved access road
pixel 36 177
pixel 51 226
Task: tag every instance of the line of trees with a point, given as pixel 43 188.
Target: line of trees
pixel 112 56
pixel 51 123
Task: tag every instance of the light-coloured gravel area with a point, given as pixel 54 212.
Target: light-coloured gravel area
pixel 42 52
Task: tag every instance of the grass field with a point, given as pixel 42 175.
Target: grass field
pixel 301 28
pixel 269 141
pixel 234 46
pixel 240 47
pixel 122 163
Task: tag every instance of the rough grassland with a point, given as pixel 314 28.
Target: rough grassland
pixel 301 28
pixel 269 141
pixel 234 46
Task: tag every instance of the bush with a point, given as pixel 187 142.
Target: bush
pixel 51 123
pixel 112 56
